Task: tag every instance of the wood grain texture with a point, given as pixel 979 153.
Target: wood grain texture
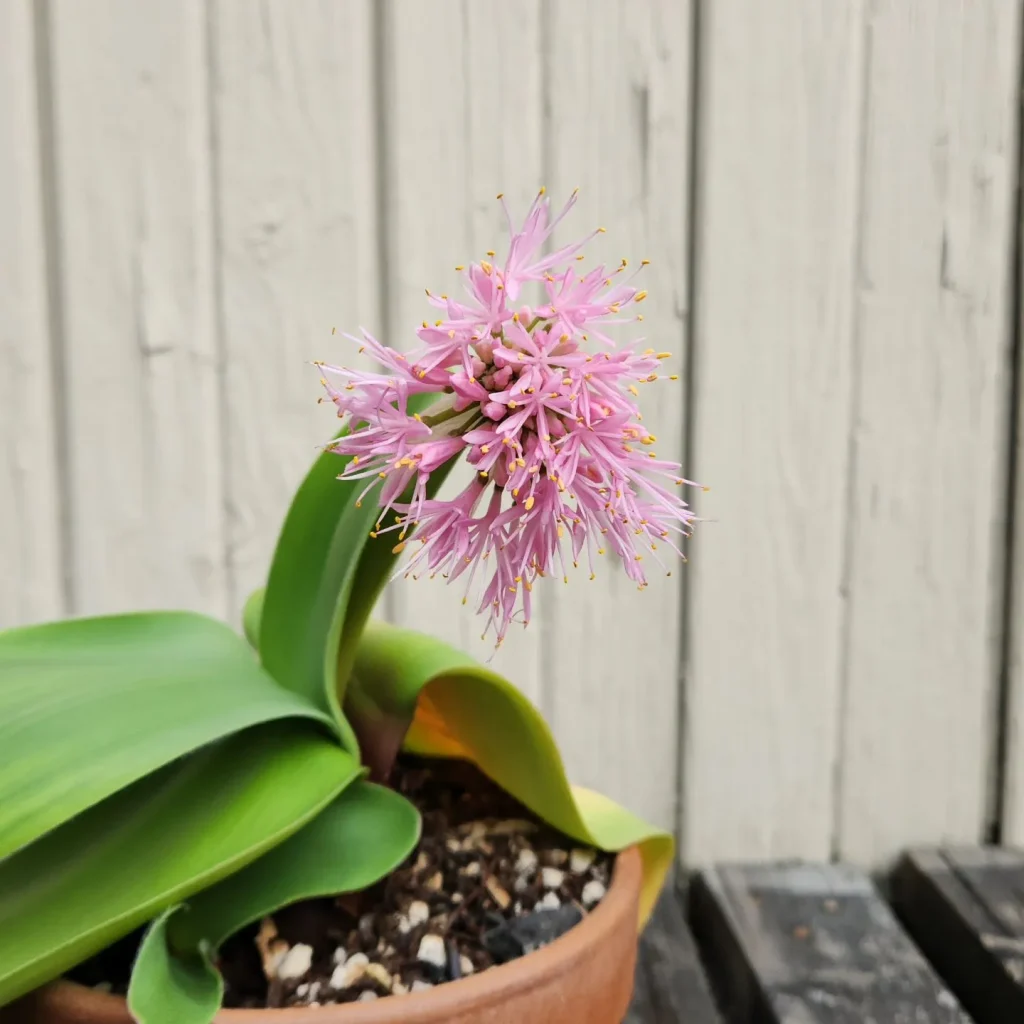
pixel 30 541
pixel 793 943
pixel 1013 774
pixel 131 143
pixel 298 250
pixel 463 120
pixel 964 908
pixel 926 531
pixel 776 216
pixel 671 986
pixel 619 130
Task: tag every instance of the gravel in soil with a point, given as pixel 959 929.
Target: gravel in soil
pixel 488 882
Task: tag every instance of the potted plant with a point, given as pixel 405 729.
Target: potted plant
pixel 338 819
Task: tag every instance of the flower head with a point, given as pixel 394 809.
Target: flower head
pixel 542 404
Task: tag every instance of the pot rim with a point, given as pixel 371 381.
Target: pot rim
pixel 476 991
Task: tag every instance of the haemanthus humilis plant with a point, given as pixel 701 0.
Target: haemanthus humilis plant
pixel 159 771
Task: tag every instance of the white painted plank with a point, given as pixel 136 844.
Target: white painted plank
pixel 133 199
pixel 463 115
pixel 619 129
pixel 30 545
pixel 775 221
pixel 1013 775
pixel 926 532
pixel 298 255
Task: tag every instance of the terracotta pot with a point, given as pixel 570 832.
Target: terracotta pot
pixel 586 975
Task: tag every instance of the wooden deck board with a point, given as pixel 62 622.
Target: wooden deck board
pixel 965 909
pixel 811 944
pixel 671 986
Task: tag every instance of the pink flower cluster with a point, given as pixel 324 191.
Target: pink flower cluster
pixel 543 406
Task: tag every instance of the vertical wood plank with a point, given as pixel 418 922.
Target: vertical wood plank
pixel 133 191
pixel 1013 769
pixel 619 129
pixel 463 121
pixel 929 444
pixel 30 543
pixel 776 213
pixel 298 252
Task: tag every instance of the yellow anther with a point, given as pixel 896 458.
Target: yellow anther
pixel 601 231
pixel 460 268
pixel 485 448
pixel 515 317
pixel 664 355
pixel 632 390
pixel 501 195
pixel 645 263
pixel 580 256
pixel 705 489
pixel 485 266
pixel 513 405
pixel 673 376
pixel 490 252
pixel 529 503
pixel 334 330
pixel 542 190
pixel 593 576
pixel 640 296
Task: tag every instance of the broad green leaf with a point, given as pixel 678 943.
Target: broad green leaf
pixel 361 837
pixel 89 706
pixel 169 989
pixel 114 867
pixel 319 595
pixel 251 615
pixel 307 574
pixel 445 704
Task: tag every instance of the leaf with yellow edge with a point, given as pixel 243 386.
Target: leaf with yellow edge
pixel 447 705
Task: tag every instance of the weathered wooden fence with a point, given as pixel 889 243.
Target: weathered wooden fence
pixel 193 192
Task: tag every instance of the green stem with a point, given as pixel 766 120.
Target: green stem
pixel 442 417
